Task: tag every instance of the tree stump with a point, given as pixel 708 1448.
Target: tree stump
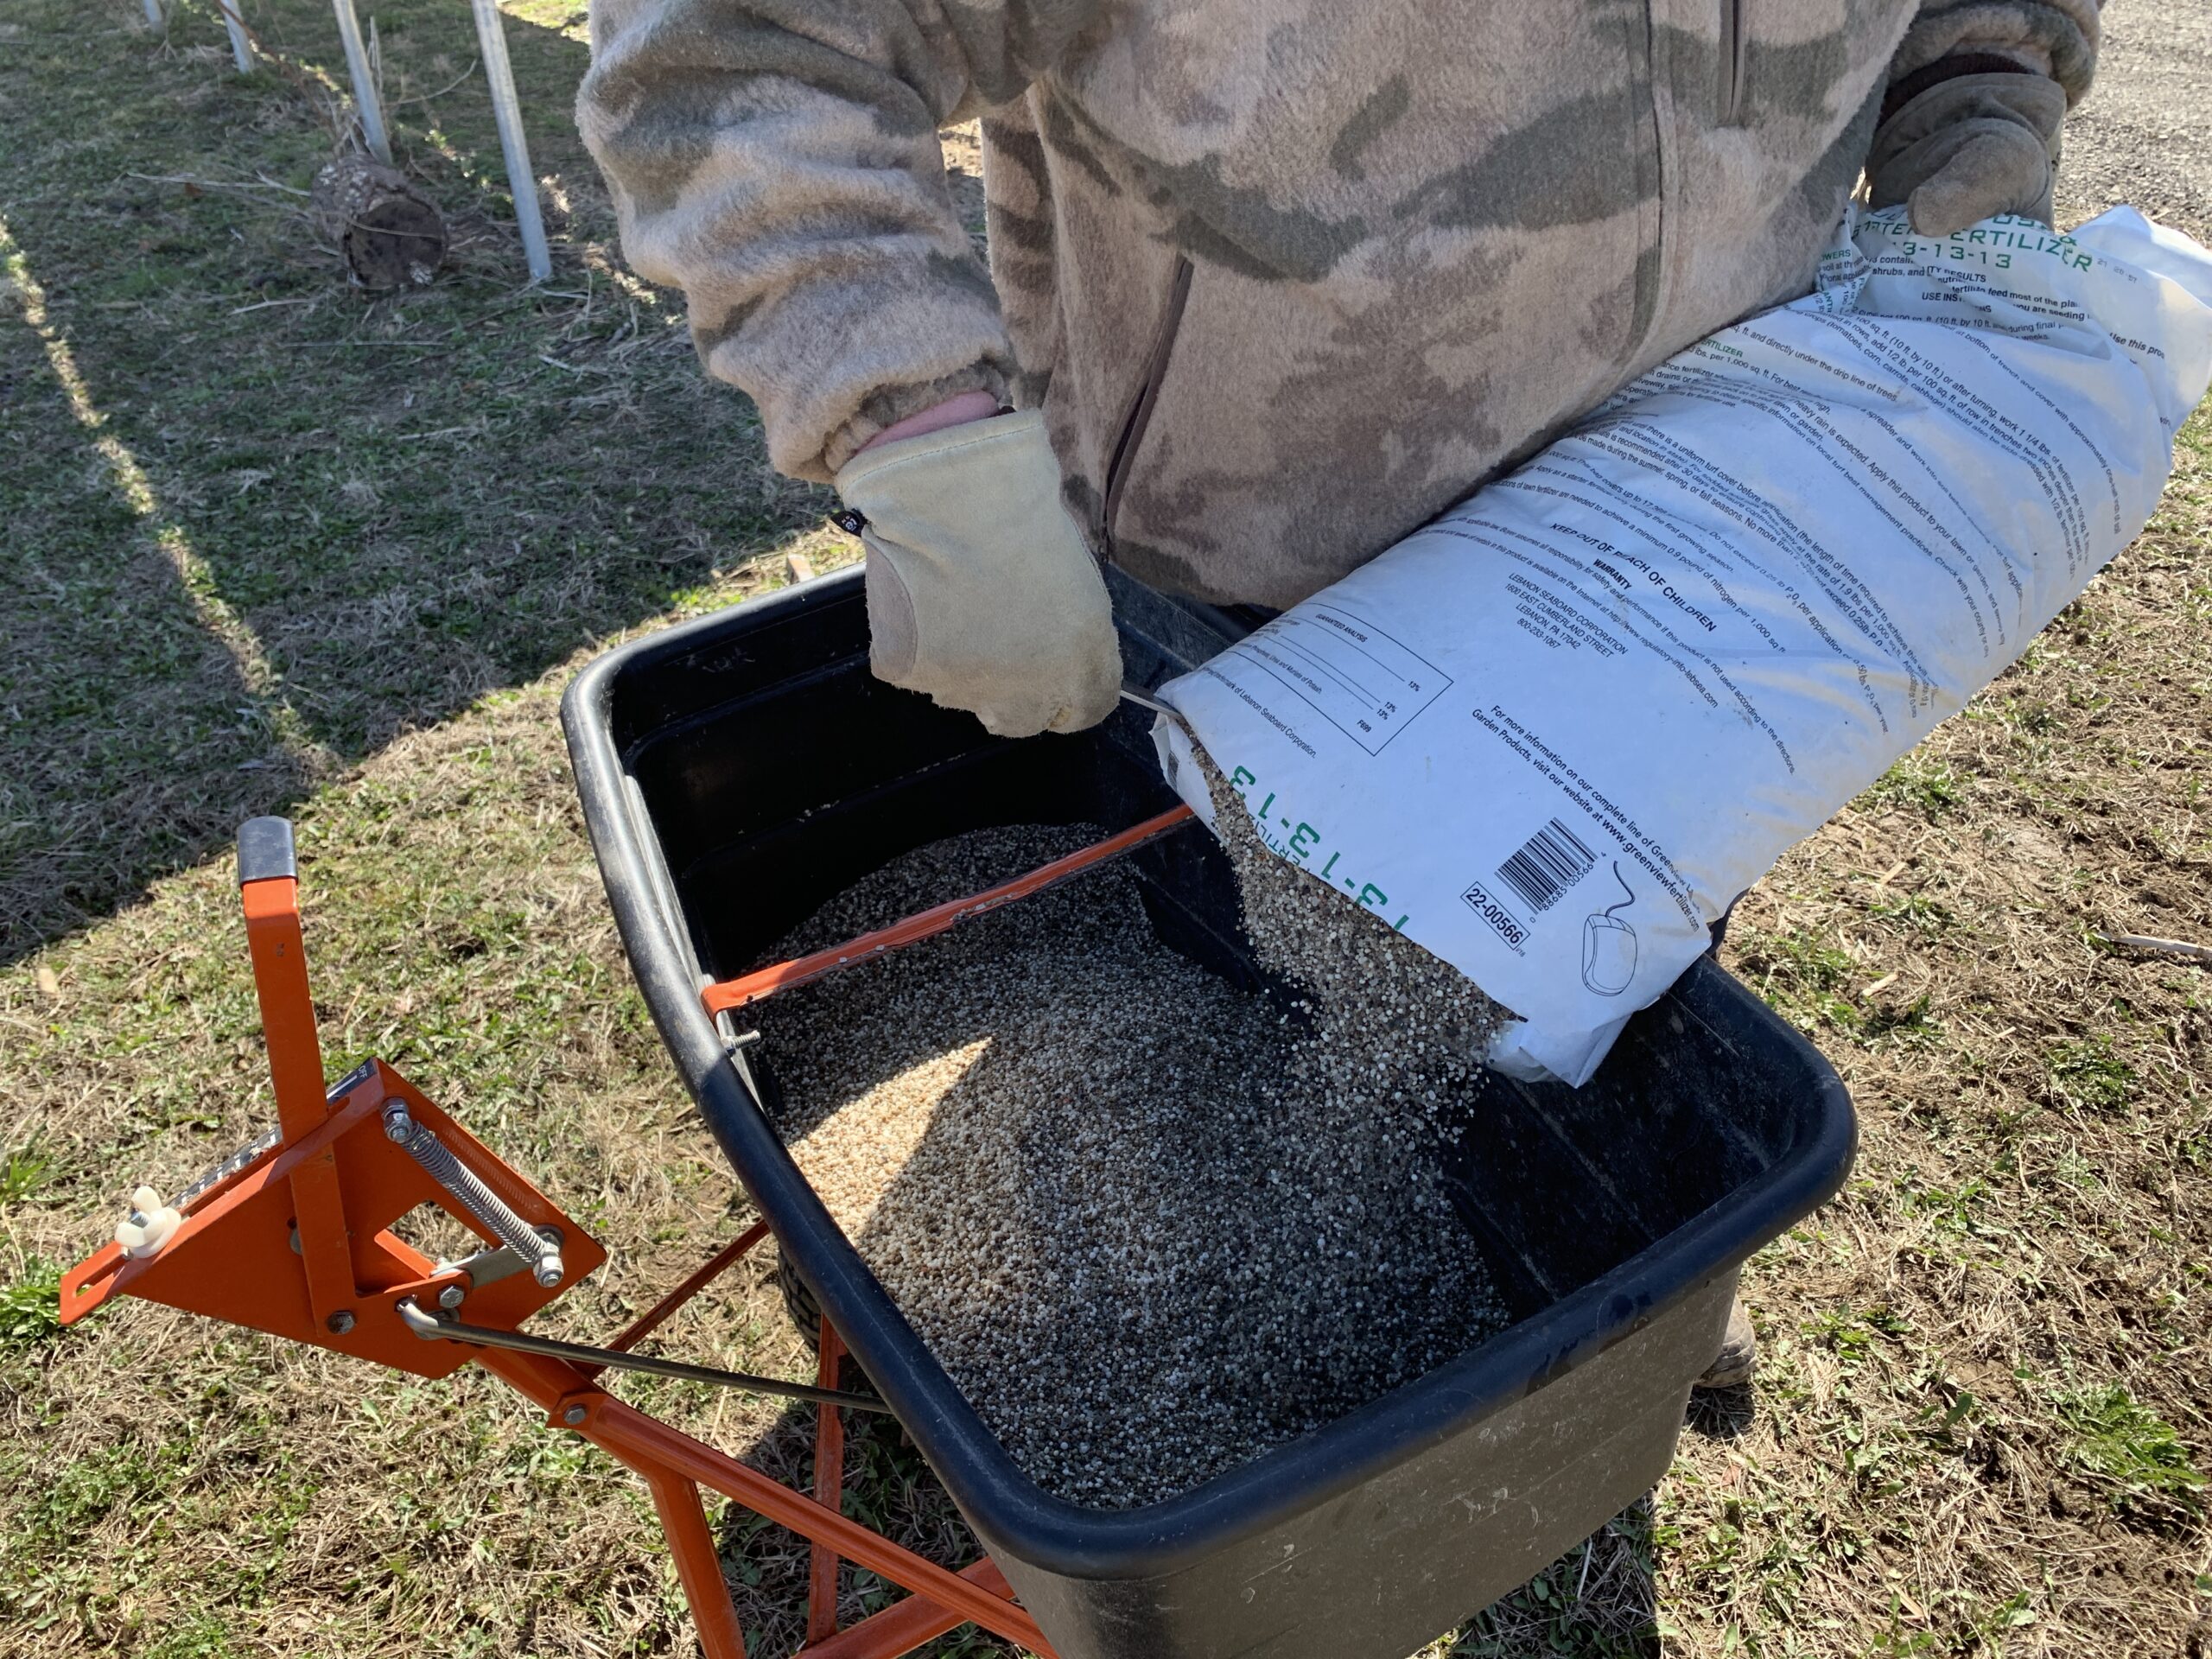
pixel 388 230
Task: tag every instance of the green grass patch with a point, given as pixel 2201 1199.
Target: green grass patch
pixel 22 1172
pixel 200 1635
pixel 2131 1450
pixel 1802 976
pixel 2087 1072
pixel 30 1306
pixel 1918 783
pixel 1914 912
pixel 1854 1335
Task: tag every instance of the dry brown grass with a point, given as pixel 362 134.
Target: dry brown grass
pixel 1925 1465
pixel 1961 1352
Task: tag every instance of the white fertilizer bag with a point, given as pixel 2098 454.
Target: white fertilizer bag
pixel 1551 736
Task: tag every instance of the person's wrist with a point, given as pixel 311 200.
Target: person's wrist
pixel 956 410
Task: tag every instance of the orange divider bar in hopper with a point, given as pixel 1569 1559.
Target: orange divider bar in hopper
pixel 729 994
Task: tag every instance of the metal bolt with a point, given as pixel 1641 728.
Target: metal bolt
pixel 397 1125
pixel 342 1322
pixel 573 1417
pixel 548 1274
pixel 451 1295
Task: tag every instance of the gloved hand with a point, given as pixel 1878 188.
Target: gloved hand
pixel 981 591
pixel 1968 147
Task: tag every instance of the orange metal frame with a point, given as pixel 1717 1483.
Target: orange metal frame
pixel 297 1244
pixel 729 994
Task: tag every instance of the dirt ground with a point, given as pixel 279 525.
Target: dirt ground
pixel 271 545
pixel 2144 134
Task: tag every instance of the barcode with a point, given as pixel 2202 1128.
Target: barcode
pixel 1548 863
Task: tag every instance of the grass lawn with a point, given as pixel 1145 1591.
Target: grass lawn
pixel 273 544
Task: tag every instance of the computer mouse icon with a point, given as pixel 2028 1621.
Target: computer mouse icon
pixel 1609 946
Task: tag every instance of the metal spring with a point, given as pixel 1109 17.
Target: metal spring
pixel 421 1143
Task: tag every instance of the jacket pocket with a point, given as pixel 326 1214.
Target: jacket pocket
pixel 1141 407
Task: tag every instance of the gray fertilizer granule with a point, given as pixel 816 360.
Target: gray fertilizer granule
pixel 1390 1019
pixel 1148 1230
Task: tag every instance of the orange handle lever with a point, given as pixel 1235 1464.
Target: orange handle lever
pixel 268 884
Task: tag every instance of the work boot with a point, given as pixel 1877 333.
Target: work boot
pixel 1740 1352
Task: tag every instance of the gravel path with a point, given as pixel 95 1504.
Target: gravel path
pixel 2144 134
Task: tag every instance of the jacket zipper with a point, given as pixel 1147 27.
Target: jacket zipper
pixel 1140 415
pixel 1651 283
pixel 1735 43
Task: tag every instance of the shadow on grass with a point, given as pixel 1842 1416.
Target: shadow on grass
pixel 259 524
pixel 887 1488
pixel 1722 1413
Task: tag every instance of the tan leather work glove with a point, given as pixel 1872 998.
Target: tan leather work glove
pixel 981 591
pixel 1968 147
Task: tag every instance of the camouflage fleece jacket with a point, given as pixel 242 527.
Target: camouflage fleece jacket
pixel 1287 277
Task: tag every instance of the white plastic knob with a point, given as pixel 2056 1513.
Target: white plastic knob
pixel 151 1224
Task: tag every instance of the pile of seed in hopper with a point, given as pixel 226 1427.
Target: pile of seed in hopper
pixel 1391 1022
pixel 1149 1227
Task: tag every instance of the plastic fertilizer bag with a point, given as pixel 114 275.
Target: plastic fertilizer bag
pixel 1553 736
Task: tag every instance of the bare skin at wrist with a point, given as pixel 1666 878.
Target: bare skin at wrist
pixel 953 411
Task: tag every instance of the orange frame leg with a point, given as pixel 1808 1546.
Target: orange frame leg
pixel 829 1490
pixel 698 1566
pixel 670 1459
pixel 904 1626
pixel 982 1596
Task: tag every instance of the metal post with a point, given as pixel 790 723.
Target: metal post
pixel 492 43
pixel 154 18
pixel 365 83
pixel 241 48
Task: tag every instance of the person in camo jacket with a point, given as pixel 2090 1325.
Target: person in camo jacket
pixel 1272 281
